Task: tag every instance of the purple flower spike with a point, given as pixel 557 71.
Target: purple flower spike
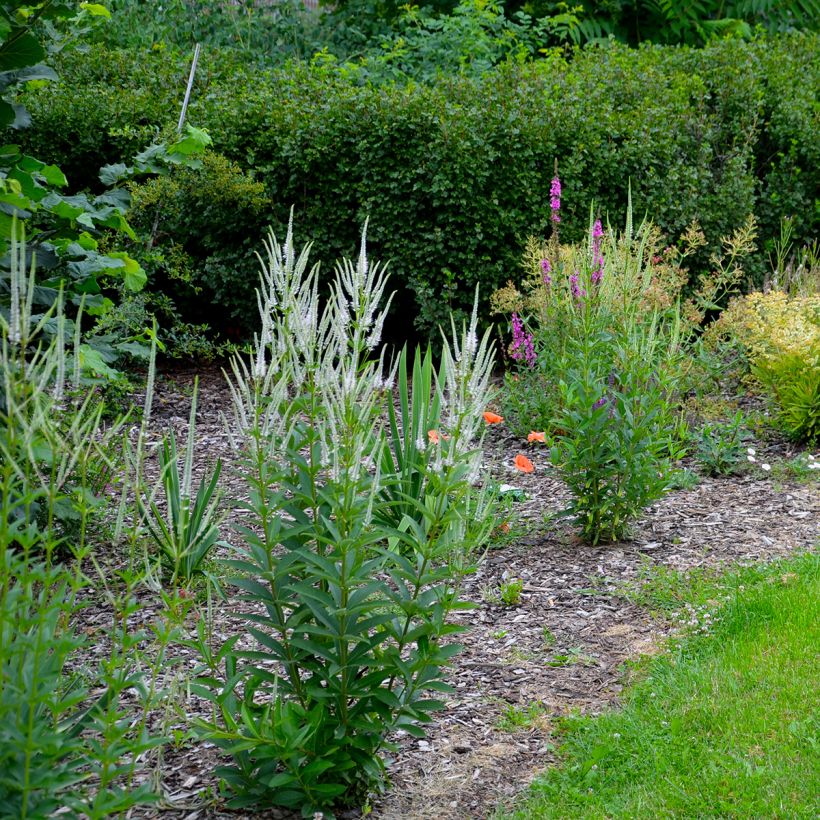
pixel 546 268
pixel 555 199
pixel 575 288
pixel 597 256
pixel 522 348
pixel 600 403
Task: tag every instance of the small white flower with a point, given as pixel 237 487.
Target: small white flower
pixel 766 467
pixel 751 451
pixel 751 458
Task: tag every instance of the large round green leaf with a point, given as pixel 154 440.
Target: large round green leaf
pixel 20 51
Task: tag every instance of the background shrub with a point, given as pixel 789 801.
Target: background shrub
pixel 202 226
pixel 455 175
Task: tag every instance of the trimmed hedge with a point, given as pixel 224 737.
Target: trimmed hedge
pixel 455 176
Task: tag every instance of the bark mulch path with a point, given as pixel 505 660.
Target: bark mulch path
pixel 563 648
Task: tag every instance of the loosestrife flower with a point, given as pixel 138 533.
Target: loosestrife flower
pixel 522 348
pixel 600 403
pixel 492 418
pixel 555 199
pixel 546 269
pixel 597 256
pixel 523 464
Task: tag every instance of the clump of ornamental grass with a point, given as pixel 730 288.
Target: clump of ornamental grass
pixel 362 519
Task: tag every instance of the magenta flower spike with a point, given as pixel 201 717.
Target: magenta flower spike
pixel 546 269
pixel 597 256
pixel 555 199
pixel 522 348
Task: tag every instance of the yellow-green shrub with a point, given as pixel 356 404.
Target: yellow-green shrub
pixel 780 336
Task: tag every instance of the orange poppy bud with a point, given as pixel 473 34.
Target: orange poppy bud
pixel 533 436
pixel 493 418
pixel 523 464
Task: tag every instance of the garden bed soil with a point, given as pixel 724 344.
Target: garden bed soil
pixel 564 648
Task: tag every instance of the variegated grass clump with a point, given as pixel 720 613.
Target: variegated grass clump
pixel 362 521
pixel 54 440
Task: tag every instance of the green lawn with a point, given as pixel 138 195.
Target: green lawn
pixel 724 726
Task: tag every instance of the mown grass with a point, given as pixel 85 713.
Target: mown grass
pixel 725 725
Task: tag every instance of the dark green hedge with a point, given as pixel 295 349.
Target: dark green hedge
pixel 454 177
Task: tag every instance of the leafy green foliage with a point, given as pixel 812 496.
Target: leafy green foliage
pixel 693 22
pixel 412 434
pixel 721 448
pixel 796 392
pixel 803 468
pixel 70 233
pixel 780 337
pixel 29 189
pixel 49 433
pixel 514 718
pixel 48 712
pixel 443 34
pixel 256 30
pixel 612 443
pixel 510 592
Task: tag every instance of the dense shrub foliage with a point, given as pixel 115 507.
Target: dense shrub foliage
pixel 455 175
pixel 780 337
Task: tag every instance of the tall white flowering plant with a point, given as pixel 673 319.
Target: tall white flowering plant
pixel 361 522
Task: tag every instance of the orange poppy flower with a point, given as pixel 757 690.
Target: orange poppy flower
pixel 533 436
pixel 524 464
pixel 493 418
pixel 433 436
